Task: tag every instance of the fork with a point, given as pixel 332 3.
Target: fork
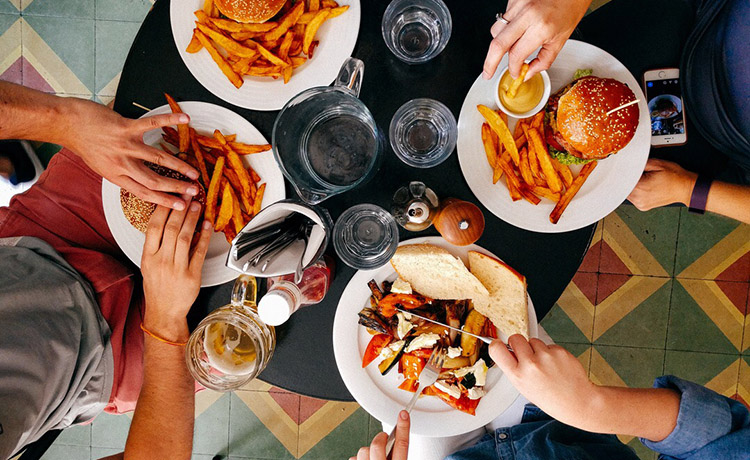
pixel 427 377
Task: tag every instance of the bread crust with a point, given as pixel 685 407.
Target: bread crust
pixel 249 11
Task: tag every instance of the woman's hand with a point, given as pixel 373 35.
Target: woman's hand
pixel 532 24
pixel 662 183
pixel 171 273
pixel 376 451
pixel 113 147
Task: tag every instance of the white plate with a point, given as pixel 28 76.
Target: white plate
pixel 604 190
pixel 204 118
pixel 379 394
pixel 337 39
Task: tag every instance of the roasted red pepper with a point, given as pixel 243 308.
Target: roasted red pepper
pixel 376 345
pixel 409 385
pixel 464 404
pixel 411 366
pixel 387 305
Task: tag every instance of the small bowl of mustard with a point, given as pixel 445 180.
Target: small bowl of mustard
pixel 530 98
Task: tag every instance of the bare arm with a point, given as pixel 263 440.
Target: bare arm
pixel 664 182
pixel 111 145
pixel 554 380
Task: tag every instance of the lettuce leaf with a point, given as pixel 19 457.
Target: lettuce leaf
pixel 566 158
pixel 580 73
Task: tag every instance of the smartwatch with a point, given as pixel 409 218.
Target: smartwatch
pixel 699 196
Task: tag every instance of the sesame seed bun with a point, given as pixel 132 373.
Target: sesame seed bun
pixel 249 10
pixel 582 121
pixel 138 211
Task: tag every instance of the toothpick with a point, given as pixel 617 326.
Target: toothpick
pixel 623 106
pixel 141 107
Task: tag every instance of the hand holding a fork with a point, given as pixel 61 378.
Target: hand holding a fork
pixel 377 450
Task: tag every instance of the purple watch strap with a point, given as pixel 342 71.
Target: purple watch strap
pixel 700 194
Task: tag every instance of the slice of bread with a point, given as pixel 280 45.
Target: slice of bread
pixel 436 273
pixel 508 305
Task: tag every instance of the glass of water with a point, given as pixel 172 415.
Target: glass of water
pixel 423 133
pixel 365 236
pixel 416 30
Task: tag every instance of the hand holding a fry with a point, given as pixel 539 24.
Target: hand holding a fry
pixel 532 24
pixel 662 183
pixel 113 147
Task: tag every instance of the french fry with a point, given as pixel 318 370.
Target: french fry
pixel 534 164
pixel 202 17
pixel 518 130
pixel 236 212
pixel 198 152
pixel 332 13
pixel 511 92
pixel 229 234
pixel 501 129
pixel 219 59
pixel 328 3
pixel 515 194
pixel 286 73
pixel 311 51
pixel 226 208
pixel 553 180
pixel 525 169
pixel 227 43
pixel 272 58
pixel 565 174
pixel 213 191
pixel 236 164
pixel 259 198
pixel 314 5
pixel 537 120
pixel 289 19
pixel 253 175
pixel 511 179
pixel 489 148
pixel 497 174
pixel 195 45
pixel 285 45
pixel 208 6
pixel 183 131
pixel 245 199
pixel 298 61
pixel 566 197
pixel 312 29
pixel 544 192
pixel 528 195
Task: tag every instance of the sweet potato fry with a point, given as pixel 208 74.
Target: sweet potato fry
pixel 501 129
pixel 183 131
pixel 195 45
pixel 198 152
pixel 312 29
pixel 259 198
pixel 556 213
pixel 245 199
pixel 226 208
pixel 236 212
pixel 219 59
pixel 236 164
pixel 254 175
pixel 213 191
pixel 289 19
pixel 227 43
pixel 540 149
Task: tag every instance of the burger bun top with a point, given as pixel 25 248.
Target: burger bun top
pixel 249 11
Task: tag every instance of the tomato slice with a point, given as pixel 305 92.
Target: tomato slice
pixel 376 345
pixel 409 385
pixel 411 366
pixel 464 404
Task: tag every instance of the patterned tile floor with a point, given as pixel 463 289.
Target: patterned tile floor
pixel 659 292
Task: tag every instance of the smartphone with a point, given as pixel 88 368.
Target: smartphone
pixel 665 106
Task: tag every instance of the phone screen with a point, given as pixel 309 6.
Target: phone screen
pixel 665 104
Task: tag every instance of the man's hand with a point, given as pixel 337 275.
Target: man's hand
pixel 532 24
pixel 171 274
pixel 548 376
pixel 662 183
pixel 113 147
pixel 376 451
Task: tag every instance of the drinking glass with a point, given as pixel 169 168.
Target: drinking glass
pixel 423 133
pixel 365 236
pixel 325 139
pixel 416 30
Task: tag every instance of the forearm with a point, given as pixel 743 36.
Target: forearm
pixel 730 200
pixel 32 115
pixel 163 421
pixel 649 413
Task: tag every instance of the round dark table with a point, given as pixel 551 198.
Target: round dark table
pixel 303 361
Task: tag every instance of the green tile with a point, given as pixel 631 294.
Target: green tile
pixel 212 429
pixel 645 326
pixel 698 234
pixel 344 441
pixel 561 328
pixel 691 329
pixel 248 437
pixel 62 8
pixel 6 7
pixel 72 40
pixel 637 367
pixel 656 229
pixel 76 435
pixel 700 368
pixel 59 451
pixel 113 40
pixel 110 431
pixel 7 20
pixel 374 427
pixel 101 452
pixel 643 452
pixel 122 10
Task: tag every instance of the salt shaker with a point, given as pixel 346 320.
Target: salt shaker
pixel 414 206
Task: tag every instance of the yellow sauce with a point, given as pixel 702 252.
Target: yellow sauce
pixel 528 96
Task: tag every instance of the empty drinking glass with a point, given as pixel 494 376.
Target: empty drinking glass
pixel 423 133
pixel 416 30
pixel 365 236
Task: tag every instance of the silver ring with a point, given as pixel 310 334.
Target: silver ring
pixel 499 17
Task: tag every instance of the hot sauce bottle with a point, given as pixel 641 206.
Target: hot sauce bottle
pixel 284 296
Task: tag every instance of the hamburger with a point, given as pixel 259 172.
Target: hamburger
pixel 138 211
pixel 578 129
pixel 249 10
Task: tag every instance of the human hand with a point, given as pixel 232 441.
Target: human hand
pixel 376 451
pixel 532 23
pixel 548 376
pixel 662 183
pixel 171 274
pixel 113 147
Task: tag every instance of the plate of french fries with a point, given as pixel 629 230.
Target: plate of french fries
pixel 262 66
pixel 237 171
pixel 508 167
